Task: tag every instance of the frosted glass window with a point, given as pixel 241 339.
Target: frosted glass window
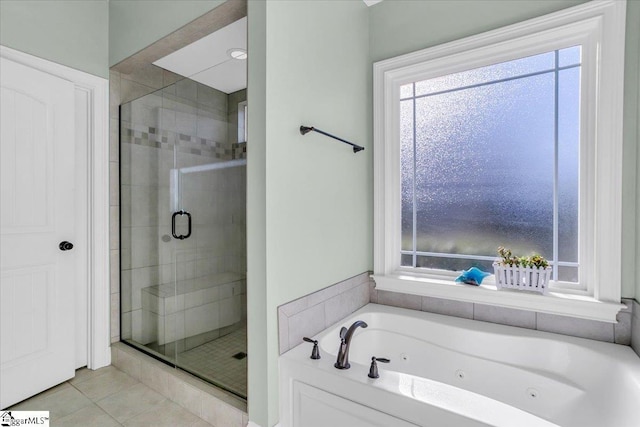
pixel 506 70
pixel 406 91
pixel 489 157
pixel 569 56
pixel 406 159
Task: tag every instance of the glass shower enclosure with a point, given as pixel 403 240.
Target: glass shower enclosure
pixel 183 231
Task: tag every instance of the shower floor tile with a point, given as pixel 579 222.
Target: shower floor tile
pixel 215 361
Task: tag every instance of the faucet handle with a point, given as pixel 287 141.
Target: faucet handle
pixel 373 370
pixel 343 333
pixel 315 353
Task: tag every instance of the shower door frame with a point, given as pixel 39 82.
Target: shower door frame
pixel 166 350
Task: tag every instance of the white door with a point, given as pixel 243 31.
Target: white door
pixel 37 332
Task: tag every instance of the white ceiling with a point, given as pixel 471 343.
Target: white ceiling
pixel 371 2
pixel 207 61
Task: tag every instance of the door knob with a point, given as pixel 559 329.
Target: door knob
pixel 65 246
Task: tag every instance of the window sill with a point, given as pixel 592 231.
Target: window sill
pixel 583 307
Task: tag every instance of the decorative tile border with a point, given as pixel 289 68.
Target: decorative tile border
pixel 166 140
pixel 239 150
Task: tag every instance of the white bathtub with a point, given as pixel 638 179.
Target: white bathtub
pixel 447 371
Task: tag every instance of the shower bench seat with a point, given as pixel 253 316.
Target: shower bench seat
pixel 192 307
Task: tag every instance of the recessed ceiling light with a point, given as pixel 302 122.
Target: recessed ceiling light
pixel 237 53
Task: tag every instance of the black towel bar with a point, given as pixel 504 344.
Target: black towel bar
pixel 306 129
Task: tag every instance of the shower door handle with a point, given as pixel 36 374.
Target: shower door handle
pixel 173 225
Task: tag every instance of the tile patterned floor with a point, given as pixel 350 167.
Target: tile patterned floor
pixel 108 397
pixel 215 360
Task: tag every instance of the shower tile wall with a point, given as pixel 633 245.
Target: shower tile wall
pixel 189 124
pixel 124 88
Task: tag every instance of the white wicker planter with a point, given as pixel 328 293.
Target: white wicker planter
pixel 522 278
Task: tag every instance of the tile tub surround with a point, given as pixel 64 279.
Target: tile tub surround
pixel 195 396
pixel 306 316
pixel 315 312
pixel 619 333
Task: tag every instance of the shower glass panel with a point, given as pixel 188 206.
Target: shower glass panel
pixel 183 231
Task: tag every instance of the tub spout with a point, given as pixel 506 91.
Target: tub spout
pixel 346 335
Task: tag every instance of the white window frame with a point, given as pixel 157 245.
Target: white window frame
pixel 599 26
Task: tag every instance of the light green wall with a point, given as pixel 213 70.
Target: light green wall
pixel 398 27
pixel 637 212
pixel 402 26
pixel 135 24
pixel 313 224
pixel 631 165
pixel 631 162
pixel 318 190
pixel 71 33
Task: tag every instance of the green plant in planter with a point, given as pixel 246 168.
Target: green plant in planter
pixel 507 257
pixel 538 261
pixel 534 261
